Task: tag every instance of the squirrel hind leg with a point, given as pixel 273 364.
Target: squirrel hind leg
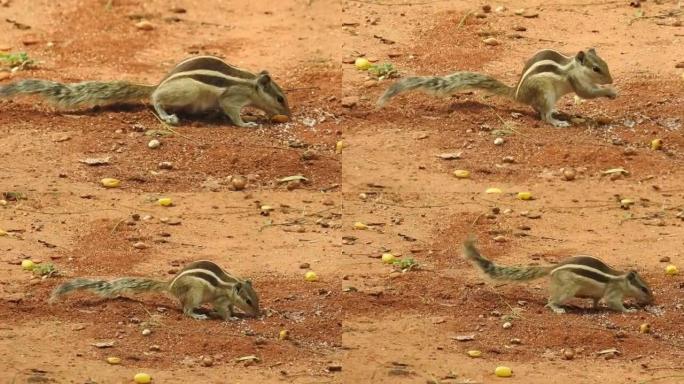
pixel 190 301
pixel 562 288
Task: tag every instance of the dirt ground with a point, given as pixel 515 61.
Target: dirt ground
pixel 363 321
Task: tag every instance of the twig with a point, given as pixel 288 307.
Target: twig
pixel 116 226
pixel 391 4
pixel 411 206
pixel 660 16
pixel 301 89
pixel 463 19
pixel 476 219
pixel 168 127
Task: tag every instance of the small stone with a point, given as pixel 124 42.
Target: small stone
pixel 207 361
pixel 144 25
pixel 568 354
pixel 146 332
pixel 309 155
pixel 569 174
pixel 516 341
pixel 508 159
pixel 304 266
pixel 140 245
pixel 499 141
pixel 507 325
pixel 238 183
pixel 524 227
pixel 166 165
pixel 154 144
pixel 491 41
pixel 177 10
pixel 350 101
pixel 500 9
pixel 480 15
pixel 665 259
pixel 155 348
pixel 629 151
pixel 334 368
pixel 519 28
pixel 530 15
pixel 486 8
pixel 500 239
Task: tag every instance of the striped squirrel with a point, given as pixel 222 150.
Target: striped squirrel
pixel 197 283
pixel 578 276
pixel 195 85
pixel 546 78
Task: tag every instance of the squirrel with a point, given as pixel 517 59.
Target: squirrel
pixel 197 283
pixel 547 76
pixel 197 84
pixel 577 276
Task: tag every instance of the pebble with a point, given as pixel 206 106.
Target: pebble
pixel 144 25
pixel 519 28
pixel 569 174
pixel 177 10
pixel 500 239
pixel 516 341
pixel 153 144
pixel 140 245
pixel 207 361
pixel 665 259
pixel 499 141
pixel 304 266
pixel 507 325
pixel 508 159
pixel 491 41
pixel 350 101
pixel 166 165
pixel 155 348
pixel 568 353
pixel 486 8
pixel 146 332
pixel 629 151
pixel 500 9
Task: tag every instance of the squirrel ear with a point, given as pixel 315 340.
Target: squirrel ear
pixel 264 78
pixel 580 56
pixel 632 275
pixel 592 51
pixel 248 282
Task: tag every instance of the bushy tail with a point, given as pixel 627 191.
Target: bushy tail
pixel 79 94
pixel 110 288
pixel 499 272
pixel 447 85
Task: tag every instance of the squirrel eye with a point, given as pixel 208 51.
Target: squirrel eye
pixel 597 69
pixel 280 99
pixel 248 301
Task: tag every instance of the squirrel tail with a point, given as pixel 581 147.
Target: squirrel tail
pixel 500 272
pixel 78 94
pixel 110 288
pixel 447 85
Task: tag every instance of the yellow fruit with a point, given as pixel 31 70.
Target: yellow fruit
pixel 360 225
pixel 362 63
pixel 338 147
pixel 503 371
pixel 525 195
pixel 388 258
pixel 267 208
pixel 142 378
pixel 671 270
pixel 284 334
pixel 474 353
pixel 28 265
pixel 645 328
pixel 624 203
pixel 110 183
pixel 165 201
pixel 113 360
pixel 656 144
pixel 280 119
pixel 311 276
pixel 462 174
pixel 493 190
pixel 2 233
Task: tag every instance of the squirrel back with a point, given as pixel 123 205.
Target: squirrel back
pixel 111 288
pixel 497 272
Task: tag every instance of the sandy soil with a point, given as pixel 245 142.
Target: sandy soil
pixel 379 325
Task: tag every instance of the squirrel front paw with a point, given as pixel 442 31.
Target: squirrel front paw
pixel 611 92
pixel 249 125
pixel 171 120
